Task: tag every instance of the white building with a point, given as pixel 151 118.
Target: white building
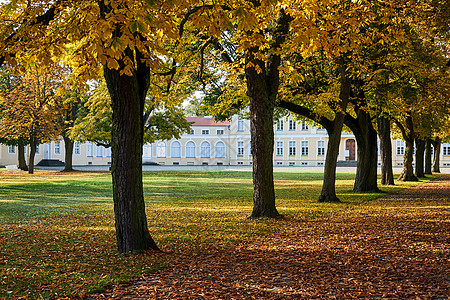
pixel 223 143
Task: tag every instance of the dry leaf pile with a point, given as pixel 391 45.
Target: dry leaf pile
pixel 397 247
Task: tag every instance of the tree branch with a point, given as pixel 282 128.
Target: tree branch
pixel 308 113
pixel 43 19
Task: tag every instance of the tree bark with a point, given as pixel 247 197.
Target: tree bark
pixel 68 145
pixel 127 97
pixel 384 133
pixel 32 155
pixel 408 135
pixel 328 193
pixel 436 155
pixel 428 157
pixel 420 151
pixel 22 163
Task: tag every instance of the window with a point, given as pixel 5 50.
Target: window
pixel 161 149
pixel 292 148
pixel 219 131
pixel 11 149
pixel 38 148
pixel 147 151
pixel 175 149
pixel 320 128
pixel 76 148
pixel 304 163
pixel 240 162
pixel 279 163
pixel 192 131
pixel 292 125
pixel 240 124
pixel 400 147
pixel 190 149
pixel 446 149
pixel 320 163
pixel 57 147
pixel 89 149
pixel 205 149
pixel 99 151
pixel 304 126
pixel 304 148
pixel 220 150
pixel 280 124
pixel 279 148
pixel 205 131
pixel 321 148
pixel 108 152
pixel 240 148
pixel 291 163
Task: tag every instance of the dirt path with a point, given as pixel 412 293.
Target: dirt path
pixel 391 248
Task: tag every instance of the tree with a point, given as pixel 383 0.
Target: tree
pixel 384 134
pixel 28 111
pixel 428 157
pixel 6 81
pixel 436 155
pixel 67 107
pixel 366 138
pixel 333 124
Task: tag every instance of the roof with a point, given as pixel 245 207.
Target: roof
pixel 206 121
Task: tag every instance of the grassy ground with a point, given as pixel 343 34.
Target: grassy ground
pixel 57 230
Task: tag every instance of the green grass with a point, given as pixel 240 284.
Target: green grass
pixel 57 231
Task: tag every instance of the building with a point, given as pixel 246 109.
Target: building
pixel 223 143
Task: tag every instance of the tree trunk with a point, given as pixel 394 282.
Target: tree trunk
pixel 384 133
pixel 127 97
pixel 366 138
pixel 32 155
pixel 22 163
pixel 428 157
pixel 261 118
pixel 262 90
pixel 408 135
pixel 68 145
pixel 420 151
pixel 436 155
pixel 328 193
pixel 262 139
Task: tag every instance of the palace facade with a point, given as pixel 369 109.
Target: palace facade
pixel 223 143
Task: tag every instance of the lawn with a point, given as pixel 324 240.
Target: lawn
pixel 57 230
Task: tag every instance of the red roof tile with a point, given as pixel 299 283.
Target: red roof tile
pixel 206 121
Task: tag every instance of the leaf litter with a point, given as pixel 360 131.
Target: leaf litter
pixel 394 247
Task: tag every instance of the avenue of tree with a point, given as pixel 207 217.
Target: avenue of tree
pixel 369 66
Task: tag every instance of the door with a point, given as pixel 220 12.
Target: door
pixel 350 150
pixel 47 152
